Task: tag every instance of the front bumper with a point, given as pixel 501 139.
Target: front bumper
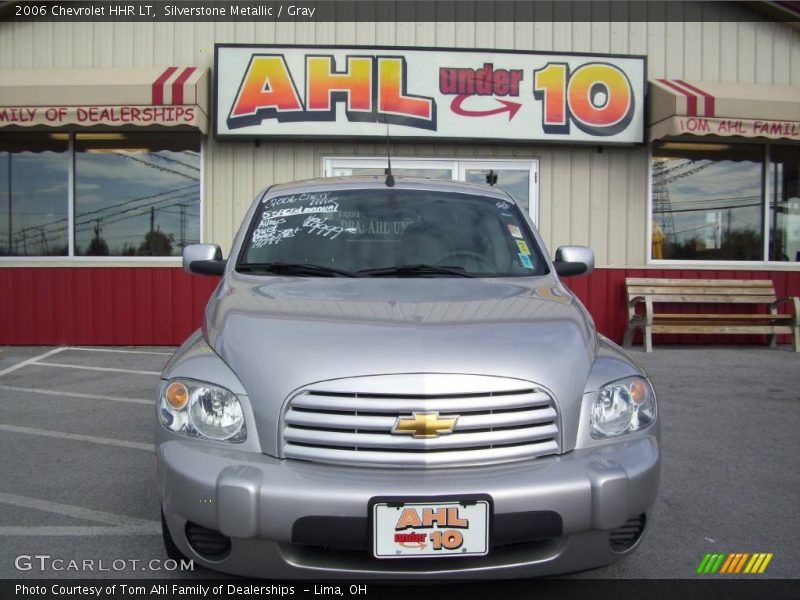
pixel 256 500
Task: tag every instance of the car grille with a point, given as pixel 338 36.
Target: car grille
pixel 353 428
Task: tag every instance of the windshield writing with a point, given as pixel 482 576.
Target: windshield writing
pixel 368 229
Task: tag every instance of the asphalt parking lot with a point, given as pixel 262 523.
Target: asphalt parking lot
pixel 78 478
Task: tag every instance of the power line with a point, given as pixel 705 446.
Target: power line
pixel 153 166
pixel 110 207
pixel 714 209
pixel 174 160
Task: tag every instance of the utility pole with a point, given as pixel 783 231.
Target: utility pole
pixel 10 213
pixel 182 243
pixel 152 218
pixel 728 233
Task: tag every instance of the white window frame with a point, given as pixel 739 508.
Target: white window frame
pixel 458 168
pixel 109 261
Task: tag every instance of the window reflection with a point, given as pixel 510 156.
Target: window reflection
pixel 707 201
pixel 136 194
pixel 515 182
pixel 33 194
pixel 784 207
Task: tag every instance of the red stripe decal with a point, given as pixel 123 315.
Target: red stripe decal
pixel 177 86
pixel 709 99
pixel 158 85
pixel 691 99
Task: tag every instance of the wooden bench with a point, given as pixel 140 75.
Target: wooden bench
pixel 648 292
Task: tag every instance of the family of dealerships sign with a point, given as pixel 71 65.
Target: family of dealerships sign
pixel 424 93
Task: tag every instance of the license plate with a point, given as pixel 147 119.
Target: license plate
pixel 426 529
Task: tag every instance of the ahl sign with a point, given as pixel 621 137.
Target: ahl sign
pixel 352 92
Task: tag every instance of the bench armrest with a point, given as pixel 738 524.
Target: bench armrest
pixel 634 301
pixel 787 300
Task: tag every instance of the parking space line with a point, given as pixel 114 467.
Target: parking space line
pixel 112 524
pixel 113 370
pixel 14 388
pixel 76 437
pixel 119 351
pixel 32 360
pixel 69 510
pixel 78 530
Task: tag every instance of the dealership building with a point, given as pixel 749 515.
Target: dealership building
pixel 669 145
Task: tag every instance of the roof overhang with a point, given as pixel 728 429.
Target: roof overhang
pixel 112 97
pixel 679 107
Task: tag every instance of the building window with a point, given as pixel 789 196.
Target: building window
pixel 784 204
pixel 517 177
pixel 34 195
pixel 136 194
pixel 132 194
pixel 709 202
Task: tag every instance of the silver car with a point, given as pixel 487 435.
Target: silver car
pixel 391 381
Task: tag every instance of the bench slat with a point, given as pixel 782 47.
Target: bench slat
pixel 709 299
pixel 720 317
pixel 693 328
pixel 635 290
pixel 700 282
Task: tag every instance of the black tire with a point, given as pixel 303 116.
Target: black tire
pixel 169 544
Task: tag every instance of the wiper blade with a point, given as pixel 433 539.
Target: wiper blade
pixel 283 268
pixel 415 270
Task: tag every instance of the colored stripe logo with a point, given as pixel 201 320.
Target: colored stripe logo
pixel 170 87
pixel 734 563
pixel 691 94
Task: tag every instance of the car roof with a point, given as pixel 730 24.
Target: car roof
pixel 379 181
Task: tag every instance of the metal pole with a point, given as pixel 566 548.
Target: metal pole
pixel 183 225
pixel 10 227
pixel 775 249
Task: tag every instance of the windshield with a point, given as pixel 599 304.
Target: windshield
pixel 390 232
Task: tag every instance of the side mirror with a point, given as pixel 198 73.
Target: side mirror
pixel 203 259
pixel 574 260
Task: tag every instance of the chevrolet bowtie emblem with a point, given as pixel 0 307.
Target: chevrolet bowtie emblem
pixel 425 425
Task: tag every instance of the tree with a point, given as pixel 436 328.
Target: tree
pixel 156 243
pixel 98 246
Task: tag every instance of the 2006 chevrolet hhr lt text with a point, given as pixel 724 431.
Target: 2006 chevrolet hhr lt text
pixel 391 381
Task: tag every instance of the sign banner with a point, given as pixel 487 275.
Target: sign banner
pixel 109 97
pixel 59 116
pixel 353 92
pixel 749 128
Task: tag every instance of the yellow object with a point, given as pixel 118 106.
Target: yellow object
pixel 425 425
pixel 658 241
pixel 177 395
pixel 638 391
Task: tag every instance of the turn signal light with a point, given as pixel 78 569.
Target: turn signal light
pixel 177 395
pixel 638 391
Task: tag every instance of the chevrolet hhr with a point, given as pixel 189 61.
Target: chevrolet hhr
pixel 391 381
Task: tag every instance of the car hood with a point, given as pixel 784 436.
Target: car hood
pixel 279 334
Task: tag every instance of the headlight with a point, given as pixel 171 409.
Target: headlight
pixel 202 410
pixel 622 407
